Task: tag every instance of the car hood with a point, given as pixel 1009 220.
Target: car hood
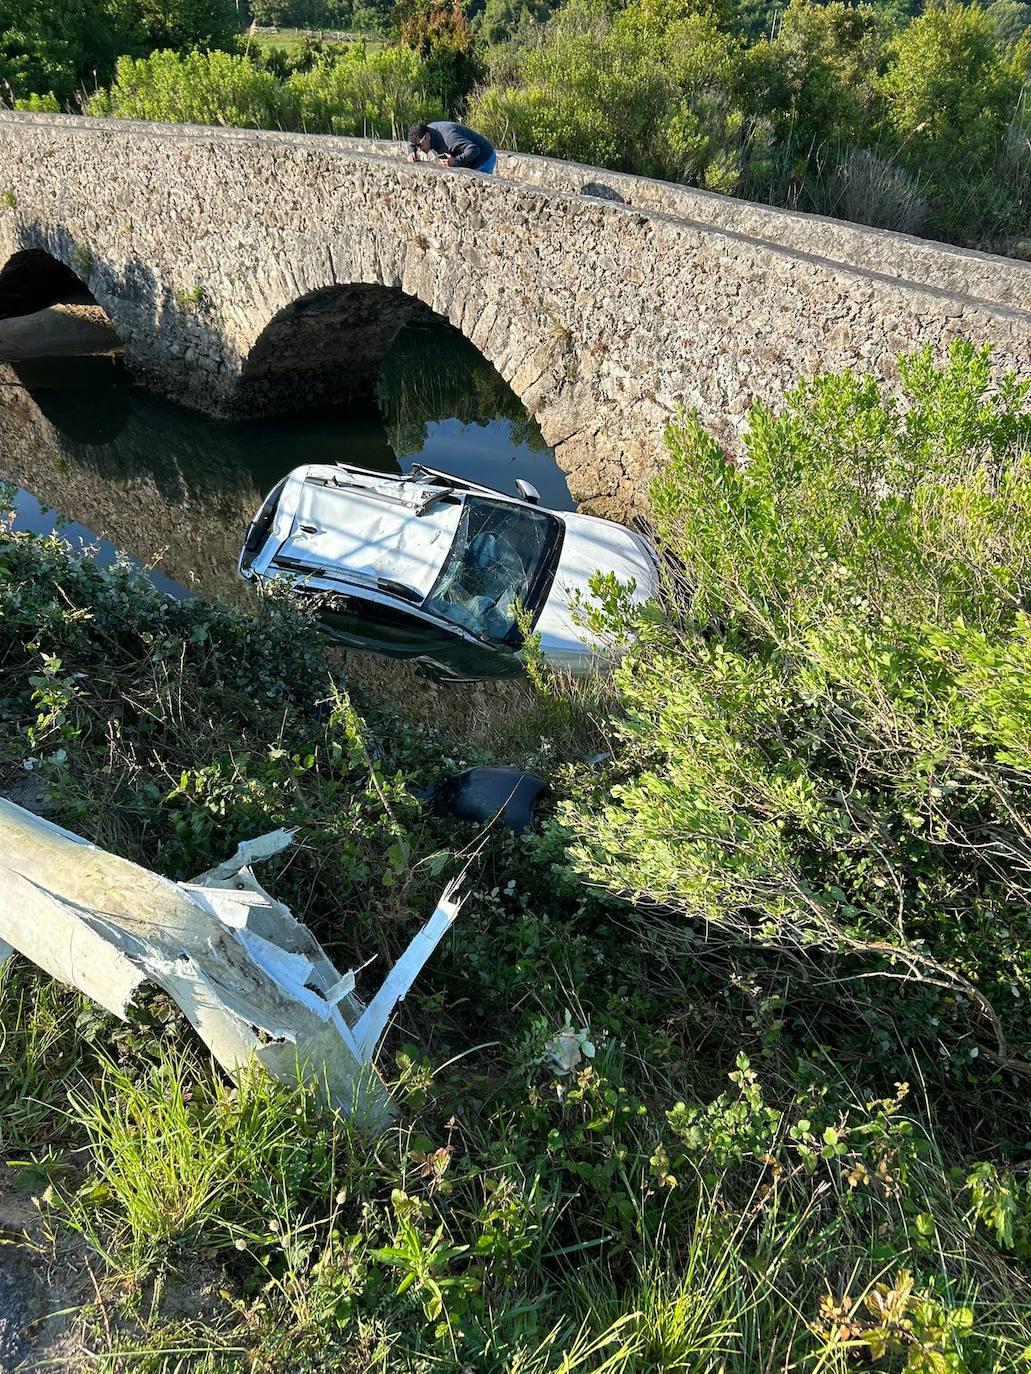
pixel 590 546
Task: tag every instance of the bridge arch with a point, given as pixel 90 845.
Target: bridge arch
pixel 32 278
pixel 328 341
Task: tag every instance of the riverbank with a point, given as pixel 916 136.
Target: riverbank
pixel 627 1140
pixel 72 328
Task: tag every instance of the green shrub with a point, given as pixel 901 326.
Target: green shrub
pixel 829 744
pixel 367 93
pixel 956 110
pixel 636 91
pixel 200 88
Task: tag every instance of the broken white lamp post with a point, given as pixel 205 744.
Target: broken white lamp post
pixel 251 979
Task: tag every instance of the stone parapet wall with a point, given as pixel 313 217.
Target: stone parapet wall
pixel 606 318
pixel 984 276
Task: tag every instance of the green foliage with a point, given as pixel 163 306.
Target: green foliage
pixel 58 48
pixel 61 50
pixel 183 24
pixel 634 91
pixel 43 1030
pixel 371 93
pixel 922 1335
pixel 509 21
pixel 200 88
pixel 190 300
pixel 40 104
pixel 1012 20
pixel 179 1155
pixel 82 260
pixel 375 94
pixel 440 34
pixel 199 730
pixel 953 105
pixel 838 108
pixel 1002 1202
pixel 837 712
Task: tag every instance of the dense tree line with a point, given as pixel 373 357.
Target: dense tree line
pixel 66 46
pixel 918 124
pixel 916 121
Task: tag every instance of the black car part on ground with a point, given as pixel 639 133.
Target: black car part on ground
pixel 485 794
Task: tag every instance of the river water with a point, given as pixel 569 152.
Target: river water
pixel 115 468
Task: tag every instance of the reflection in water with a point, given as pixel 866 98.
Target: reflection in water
pixel 155 480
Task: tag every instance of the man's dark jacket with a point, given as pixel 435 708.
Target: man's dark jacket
pixel 466 146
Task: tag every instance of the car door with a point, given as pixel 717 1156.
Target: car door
pixel 386 627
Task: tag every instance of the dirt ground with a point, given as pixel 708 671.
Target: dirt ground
pixel 40 1290
pixel 77 326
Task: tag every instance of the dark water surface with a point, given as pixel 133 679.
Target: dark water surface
pixel 108 464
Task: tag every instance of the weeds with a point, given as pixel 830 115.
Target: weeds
pixel 191 300
pixel 82 261
pixel 624 1142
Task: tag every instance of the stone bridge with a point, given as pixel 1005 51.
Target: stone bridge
pixel 249 271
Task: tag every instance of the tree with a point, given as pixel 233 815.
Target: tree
pixel 270 13
pixel 825 740
pixel 60 47
pixel 947 84
pixel 440 34
pixel 952 99
pixel 186 24
pixel 508 21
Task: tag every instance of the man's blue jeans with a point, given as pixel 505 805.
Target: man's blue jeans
pixel 489 165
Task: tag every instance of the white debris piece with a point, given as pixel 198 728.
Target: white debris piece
pixel 250 978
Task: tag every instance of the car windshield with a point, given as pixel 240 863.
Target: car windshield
pixel 498 563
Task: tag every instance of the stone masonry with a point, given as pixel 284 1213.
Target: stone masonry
pixel 249 271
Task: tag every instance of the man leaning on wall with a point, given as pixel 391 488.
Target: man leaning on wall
pixel 452 144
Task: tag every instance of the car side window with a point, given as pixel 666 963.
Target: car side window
pixel 376 613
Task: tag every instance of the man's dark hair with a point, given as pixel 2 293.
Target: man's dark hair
pixel 416 132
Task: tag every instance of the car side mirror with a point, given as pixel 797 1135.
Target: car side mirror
pixel 528 492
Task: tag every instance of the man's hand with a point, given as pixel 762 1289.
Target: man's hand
pixel 447 160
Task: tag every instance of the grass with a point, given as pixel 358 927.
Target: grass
pixel 719 1184
pixel 290 40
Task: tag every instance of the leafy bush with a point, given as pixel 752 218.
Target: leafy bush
pixel 636 91
pixel 838 99
pixel 367 93
pixel 54 49
pixel 374 94
pixel 956 108
pixel 829 745
pixel 200 88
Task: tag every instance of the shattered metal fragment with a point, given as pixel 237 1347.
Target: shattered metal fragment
pixel 251 979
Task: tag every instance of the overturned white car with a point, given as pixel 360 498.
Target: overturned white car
pixel 439 569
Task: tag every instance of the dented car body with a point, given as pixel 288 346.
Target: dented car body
pixel 433 567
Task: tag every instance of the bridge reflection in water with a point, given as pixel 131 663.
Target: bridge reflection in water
pixel 100 458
